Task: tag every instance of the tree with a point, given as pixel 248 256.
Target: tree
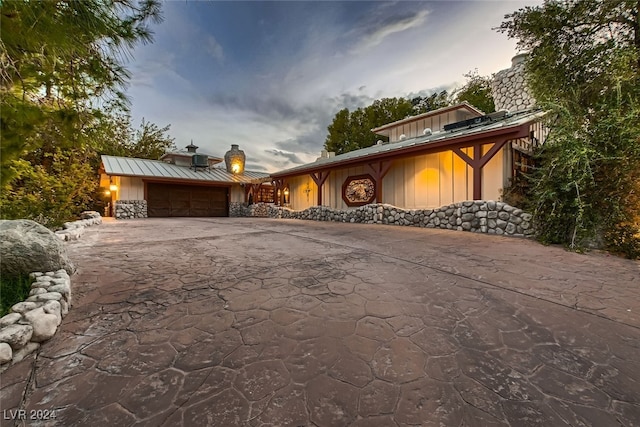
pixel 115 136
pixel 423 104
pixel 584 68
pixel 352 130
pixel 60 59
pixel 477 92
pixel 62 63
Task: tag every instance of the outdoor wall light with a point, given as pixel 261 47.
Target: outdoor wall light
pixel 286 195
pixel 113 187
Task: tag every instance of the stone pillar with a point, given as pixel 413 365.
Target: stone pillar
pixel 509 88
pixel 126 209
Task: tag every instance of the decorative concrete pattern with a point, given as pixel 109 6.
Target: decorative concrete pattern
pixel 263 322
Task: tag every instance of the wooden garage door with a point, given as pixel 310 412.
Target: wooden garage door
pixel 186 200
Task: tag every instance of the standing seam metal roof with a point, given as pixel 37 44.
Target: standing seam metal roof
pixel 513 120
pixel 144 168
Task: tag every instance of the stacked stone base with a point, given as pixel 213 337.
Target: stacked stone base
pixel 477 216
pixel 237 209
pixel 127 209
pixel 36 319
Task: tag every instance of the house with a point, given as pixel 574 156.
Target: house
pixel 182 183
pixel 450 155
pixel 441 157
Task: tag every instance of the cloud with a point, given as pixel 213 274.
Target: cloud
pixel 291 157
pixel 214 48
pixel 374 33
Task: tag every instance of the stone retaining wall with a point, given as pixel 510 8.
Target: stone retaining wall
pixel 477 216
pixel 126 209
pixel 37 318
pixel 74 229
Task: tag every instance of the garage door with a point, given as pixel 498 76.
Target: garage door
pixel 186 200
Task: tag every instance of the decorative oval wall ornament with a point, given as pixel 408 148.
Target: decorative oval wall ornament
pixel 359 190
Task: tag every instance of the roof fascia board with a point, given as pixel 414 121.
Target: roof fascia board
pixel 190 182
pixel 443 110
pixel 513 132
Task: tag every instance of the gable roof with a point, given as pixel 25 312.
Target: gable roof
pixel 144 168
pixel 440 140
pixel 462 106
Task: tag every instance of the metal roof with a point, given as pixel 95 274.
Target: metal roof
pixel 464 105
pixel 510 121
pixel 128 166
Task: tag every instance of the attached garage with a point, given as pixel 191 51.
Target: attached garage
pixel 177 200
pixel 182 184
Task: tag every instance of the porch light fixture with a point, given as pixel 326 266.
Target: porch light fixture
pixel 286 195
pixel 113 187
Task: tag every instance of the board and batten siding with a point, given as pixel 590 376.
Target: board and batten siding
pixel 421 182
pixel 435 123
pixel 130 188
pixel 236 194
pixel 303 192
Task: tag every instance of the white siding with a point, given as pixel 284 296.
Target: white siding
pixel 130 188
pixel 421 182
pixel 435 123
pixel 303 192
pixel 236 193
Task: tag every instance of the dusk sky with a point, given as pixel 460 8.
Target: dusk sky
pixel 270 76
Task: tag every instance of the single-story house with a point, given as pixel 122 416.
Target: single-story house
pixel 441 157
pixel 446 156
pixel 182 183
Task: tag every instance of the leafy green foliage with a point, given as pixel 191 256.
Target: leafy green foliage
pixel 423 104
pixel 59 60
pixel 477 92
pixel 62 63
pixel 584 68
pixel 120 139
pixel 12 291
pixel 351 130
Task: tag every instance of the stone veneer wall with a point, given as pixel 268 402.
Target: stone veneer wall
pixel 125 209
pixel 477 216
pixel 238 209
pixel 509 88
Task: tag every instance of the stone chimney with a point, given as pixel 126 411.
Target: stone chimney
pixel 234 160
pixel 509 88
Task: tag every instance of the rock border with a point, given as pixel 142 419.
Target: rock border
pixel 74 229
pixel 36 319
pixel 477 216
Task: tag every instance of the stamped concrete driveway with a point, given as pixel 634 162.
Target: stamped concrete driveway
pixel 261 322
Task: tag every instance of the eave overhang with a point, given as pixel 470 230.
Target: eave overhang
pixel 466 140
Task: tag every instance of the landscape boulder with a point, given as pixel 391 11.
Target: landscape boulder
pixel 26 246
